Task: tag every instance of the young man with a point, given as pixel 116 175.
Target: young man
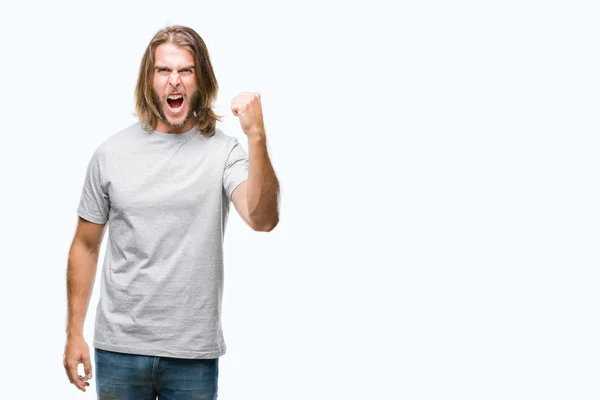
pixel 165 185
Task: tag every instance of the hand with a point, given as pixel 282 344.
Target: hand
pixel 247 107
pixel 77 352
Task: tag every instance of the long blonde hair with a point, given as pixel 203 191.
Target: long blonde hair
pixel 145 107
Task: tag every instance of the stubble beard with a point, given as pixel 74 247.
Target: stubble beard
pixel 192 105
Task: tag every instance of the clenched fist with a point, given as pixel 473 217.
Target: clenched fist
pixel 248 108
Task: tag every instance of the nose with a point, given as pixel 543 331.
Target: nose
pixel 174 79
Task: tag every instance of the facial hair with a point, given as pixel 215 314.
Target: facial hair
pixel 193 104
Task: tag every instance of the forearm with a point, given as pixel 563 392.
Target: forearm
pixel 81 273
pixel 263 186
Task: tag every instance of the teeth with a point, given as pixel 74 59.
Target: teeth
pixel 174 96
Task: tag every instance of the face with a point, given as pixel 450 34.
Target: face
pixel 174 88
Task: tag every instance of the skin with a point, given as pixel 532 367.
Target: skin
pixel 256 200
pixel 81 273
pixel 174 73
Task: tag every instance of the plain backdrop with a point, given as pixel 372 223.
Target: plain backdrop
pixel 439 226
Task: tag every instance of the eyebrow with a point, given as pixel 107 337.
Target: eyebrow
pixel 163 67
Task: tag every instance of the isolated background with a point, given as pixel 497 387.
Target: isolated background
pixel 439 170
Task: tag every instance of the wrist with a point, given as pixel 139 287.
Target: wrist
pixel 257 135
pixel 257 139
pixel 75 334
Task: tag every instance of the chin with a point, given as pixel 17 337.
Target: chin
pixel 176 123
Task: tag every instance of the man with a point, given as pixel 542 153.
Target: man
pixel 164 185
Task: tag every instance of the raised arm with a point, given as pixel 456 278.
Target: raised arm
pixel 257 199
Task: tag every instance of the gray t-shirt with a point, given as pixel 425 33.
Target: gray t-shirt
pixel 166 198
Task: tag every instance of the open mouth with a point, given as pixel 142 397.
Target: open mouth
pixel 175 102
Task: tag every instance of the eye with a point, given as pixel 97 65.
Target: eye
pixel 187 71
pixel 162 71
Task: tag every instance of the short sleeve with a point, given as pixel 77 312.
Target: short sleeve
pixel 236 168
pixel 94 204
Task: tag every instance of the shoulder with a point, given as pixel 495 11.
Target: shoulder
pixel 130 133
pixel 222 137
pixel 225 141
pixel 122 139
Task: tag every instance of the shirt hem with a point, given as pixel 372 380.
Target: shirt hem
pixel 236 183
pixel 160 353
pixel 92 218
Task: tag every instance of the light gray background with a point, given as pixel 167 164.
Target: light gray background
pixel 440 205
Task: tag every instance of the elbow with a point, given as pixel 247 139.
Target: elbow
pixel 265 226
pixel 271 226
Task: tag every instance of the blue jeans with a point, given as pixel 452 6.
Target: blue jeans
pixel 129 376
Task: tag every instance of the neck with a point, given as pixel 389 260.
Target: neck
pixel 166 128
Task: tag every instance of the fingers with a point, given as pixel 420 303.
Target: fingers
pixel 237 107
pixel 83 380
pixel 87 367
pixel 77 380
pixel 242 101
pixel 246 96
pixel 236 111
